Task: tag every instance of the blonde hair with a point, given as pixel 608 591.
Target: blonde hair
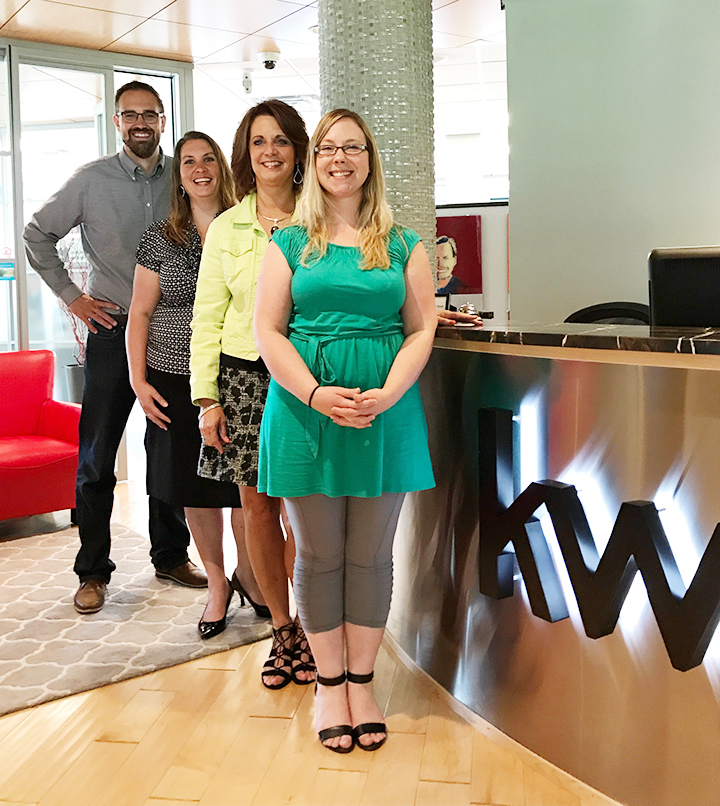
pixel 375 219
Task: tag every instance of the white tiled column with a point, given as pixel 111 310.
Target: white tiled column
pixel 376 59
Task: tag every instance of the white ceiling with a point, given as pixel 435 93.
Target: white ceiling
pixel 212 31
pixel 223 38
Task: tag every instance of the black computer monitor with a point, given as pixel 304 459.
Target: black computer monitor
pixel 685 286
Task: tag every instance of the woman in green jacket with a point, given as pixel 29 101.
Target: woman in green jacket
pixel 229 380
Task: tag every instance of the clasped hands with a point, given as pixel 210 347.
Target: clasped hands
pixel 351 407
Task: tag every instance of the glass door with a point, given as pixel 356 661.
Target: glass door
pixel 62 120
pixel 8 291
pixel 56 109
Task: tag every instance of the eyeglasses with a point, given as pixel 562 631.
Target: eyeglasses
pixel 130 116
pixel 352 150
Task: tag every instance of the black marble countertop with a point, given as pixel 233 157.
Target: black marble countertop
pixel 637 338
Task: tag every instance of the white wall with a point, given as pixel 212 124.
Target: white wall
pixel 614 145
pixel 494 262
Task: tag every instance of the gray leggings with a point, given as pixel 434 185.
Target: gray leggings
pixel 343 563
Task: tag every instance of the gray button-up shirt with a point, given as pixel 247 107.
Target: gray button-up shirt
pixel 113 201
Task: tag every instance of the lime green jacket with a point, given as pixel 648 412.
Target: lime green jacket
pixel 225 298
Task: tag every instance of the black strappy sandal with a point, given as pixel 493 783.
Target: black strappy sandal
pixel 338 730
pixel 282 649
pixel 367 727
pixel 302 657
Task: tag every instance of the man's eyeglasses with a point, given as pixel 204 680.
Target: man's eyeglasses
pixel 130 116
pixel 352 150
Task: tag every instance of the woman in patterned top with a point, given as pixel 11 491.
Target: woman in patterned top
pixel 158 344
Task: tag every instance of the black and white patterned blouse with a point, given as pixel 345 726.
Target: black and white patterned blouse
pixel 168 348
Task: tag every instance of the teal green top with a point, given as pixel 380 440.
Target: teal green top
pixel 347 327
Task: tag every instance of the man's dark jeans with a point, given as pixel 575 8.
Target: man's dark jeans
pixel 107 401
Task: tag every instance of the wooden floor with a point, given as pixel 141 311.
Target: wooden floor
pixel 207 732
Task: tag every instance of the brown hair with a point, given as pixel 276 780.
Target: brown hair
pixel 138 86
pixel 178 222
pixel 293 127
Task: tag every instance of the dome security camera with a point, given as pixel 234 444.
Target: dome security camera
pixel 269 58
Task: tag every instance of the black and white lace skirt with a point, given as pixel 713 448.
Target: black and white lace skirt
pixel 243 389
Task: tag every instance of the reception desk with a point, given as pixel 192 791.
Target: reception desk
pixel 593 451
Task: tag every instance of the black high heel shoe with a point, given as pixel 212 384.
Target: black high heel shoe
pixel 279 664
pixel 302 657
pixel 366 727
pixel 338 730
pixel 261 611
pixel 208 629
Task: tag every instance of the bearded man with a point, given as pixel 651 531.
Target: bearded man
pixel 113 200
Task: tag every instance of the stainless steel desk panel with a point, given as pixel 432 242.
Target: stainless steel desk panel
pixel 612 711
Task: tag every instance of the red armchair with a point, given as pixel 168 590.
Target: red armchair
pixel 38 438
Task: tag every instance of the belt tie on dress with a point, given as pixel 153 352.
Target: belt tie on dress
pixel 326 374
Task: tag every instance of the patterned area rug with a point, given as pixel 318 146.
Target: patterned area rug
pixel 48 651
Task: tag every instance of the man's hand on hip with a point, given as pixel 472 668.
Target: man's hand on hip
pixel 87 308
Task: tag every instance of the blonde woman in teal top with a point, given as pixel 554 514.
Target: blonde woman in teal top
pixel 344 320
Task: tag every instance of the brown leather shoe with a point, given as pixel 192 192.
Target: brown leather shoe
pixel 188 575
pixel 90 596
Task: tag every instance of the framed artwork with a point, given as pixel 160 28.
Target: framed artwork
pixel 459 254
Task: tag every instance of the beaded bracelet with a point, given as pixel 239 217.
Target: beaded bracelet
pixel 312 394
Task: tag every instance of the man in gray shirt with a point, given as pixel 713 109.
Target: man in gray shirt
pixel 113 199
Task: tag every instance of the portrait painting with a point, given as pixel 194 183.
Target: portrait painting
pixel 459 255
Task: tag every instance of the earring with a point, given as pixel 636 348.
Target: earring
pixel 183 192
pixel 298 175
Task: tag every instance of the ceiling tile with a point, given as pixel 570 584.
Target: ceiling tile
pixel 228 15
pixel 270 87
pixel 43 21
pixel 8 8
pixel 233 71
pixel 470 18
pixel 467 54
pixel 172 40
pixel 295 27
pixel 443 40
pixel 141 8
pixel 246 50
pixel 214 31
pixel 222 71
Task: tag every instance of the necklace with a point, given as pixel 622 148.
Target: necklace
pixel 275 221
